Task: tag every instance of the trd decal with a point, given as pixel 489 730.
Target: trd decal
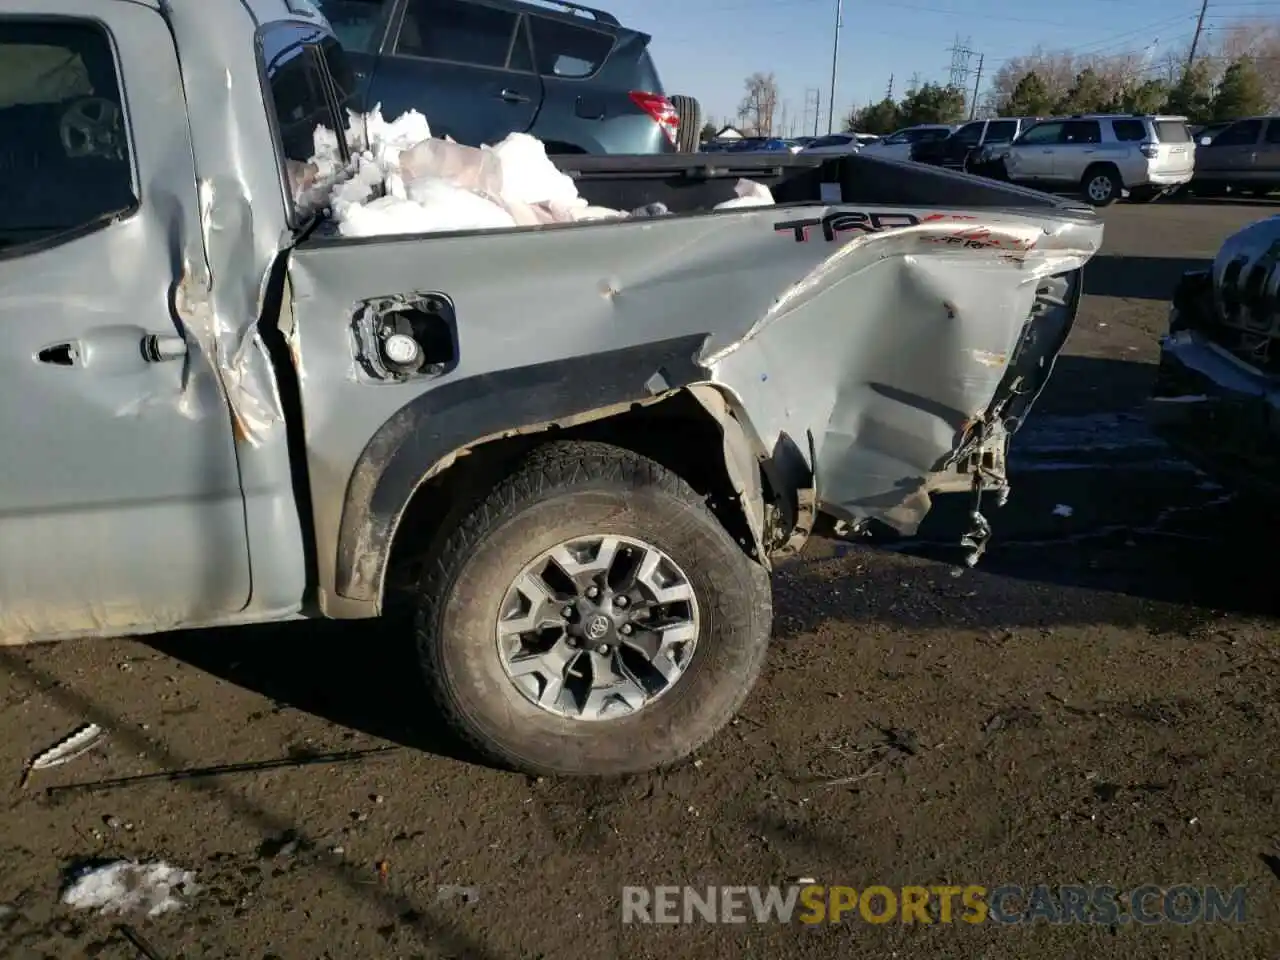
pixel 848 221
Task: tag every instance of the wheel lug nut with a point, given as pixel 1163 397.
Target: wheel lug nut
pixel 602 649
pixel 620 600
pixel 625 630
pixel 567 612
pixel 593 592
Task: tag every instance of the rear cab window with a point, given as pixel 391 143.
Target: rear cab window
pixel 306 73
pixel 64 147
pixel 568 50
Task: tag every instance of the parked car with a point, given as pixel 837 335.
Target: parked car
pixel 567 451
pixel 897 146
pixel 762 145
pixel 573 76
pixel 1104 155
pixel 1217 387
pixel 836 143
pixel 1243 158
pixel 963 150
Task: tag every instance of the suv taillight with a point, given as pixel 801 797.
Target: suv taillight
pixel 662 111
pixel 1150 150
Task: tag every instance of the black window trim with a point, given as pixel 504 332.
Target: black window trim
pixel 298 223
pixel 109 217
pixel 402 9
pixel 569 21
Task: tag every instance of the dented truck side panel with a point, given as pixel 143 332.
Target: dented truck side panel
pixel 873 355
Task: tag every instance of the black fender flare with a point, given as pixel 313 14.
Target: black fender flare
pixel 426 435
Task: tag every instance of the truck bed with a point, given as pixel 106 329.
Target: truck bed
pixel 688 183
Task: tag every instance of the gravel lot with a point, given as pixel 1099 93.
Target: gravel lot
pixel 1097 703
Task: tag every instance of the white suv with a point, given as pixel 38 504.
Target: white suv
pixel 1104 154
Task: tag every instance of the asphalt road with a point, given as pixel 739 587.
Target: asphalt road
pixel 1095 704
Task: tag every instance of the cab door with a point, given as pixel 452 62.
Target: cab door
pixel 120 496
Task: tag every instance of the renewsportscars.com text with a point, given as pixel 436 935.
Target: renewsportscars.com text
pixel 973 904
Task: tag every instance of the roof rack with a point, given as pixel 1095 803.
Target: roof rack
pixel 600 16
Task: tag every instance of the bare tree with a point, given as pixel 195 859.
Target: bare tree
pixel 760 103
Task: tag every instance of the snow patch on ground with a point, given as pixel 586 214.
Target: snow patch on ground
pixel 127 886
pixel 402 180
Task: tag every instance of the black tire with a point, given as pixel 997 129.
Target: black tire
pixel 689 110
pixel 561 491
pixel 1096 175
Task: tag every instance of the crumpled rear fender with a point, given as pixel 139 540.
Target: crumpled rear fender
pixel 909 357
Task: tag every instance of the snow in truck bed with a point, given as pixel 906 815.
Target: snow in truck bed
pixel 402 180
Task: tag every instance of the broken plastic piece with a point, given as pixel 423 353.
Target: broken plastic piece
pixel 65 750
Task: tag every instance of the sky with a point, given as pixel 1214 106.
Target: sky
pixel 707 48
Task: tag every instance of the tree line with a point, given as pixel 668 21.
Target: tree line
pixel 1236 73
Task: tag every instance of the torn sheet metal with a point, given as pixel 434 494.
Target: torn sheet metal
pixel 244 224
pixel 892 349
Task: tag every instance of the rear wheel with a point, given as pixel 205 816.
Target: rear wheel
pixel 1101 185
pixel 592 617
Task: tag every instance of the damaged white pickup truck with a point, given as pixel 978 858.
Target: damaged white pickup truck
pixel 580 446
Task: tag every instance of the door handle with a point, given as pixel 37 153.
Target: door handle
pixel 157 347
pixel 111 350
pixel 513 96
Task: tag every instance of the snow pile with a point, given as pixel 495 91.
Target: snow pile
pixel 126 886
pixel 403 180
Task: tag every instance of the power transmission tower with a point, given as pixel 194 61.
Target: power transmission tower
pixel 960 54
pixel 888 94
pixel 812 101
pixel 1195 40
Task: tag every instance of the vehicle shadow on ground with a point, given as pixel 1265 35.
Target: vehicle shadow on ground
pixel 361 674
pixel 1137 278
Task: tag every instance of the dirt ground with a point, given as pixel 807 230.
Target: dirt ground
pixel 1097 703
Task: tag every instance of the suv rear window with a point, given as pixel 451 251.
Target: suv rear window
pixel 1129 131
pixel 566 50
pixel 835 140
pixel 1172 131
pixel 1001 131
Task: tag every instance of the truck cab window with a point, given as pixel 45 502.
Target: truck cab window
pixel 64 148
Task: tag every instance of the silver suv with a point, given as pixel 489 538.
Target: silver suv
pixel 1104 154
